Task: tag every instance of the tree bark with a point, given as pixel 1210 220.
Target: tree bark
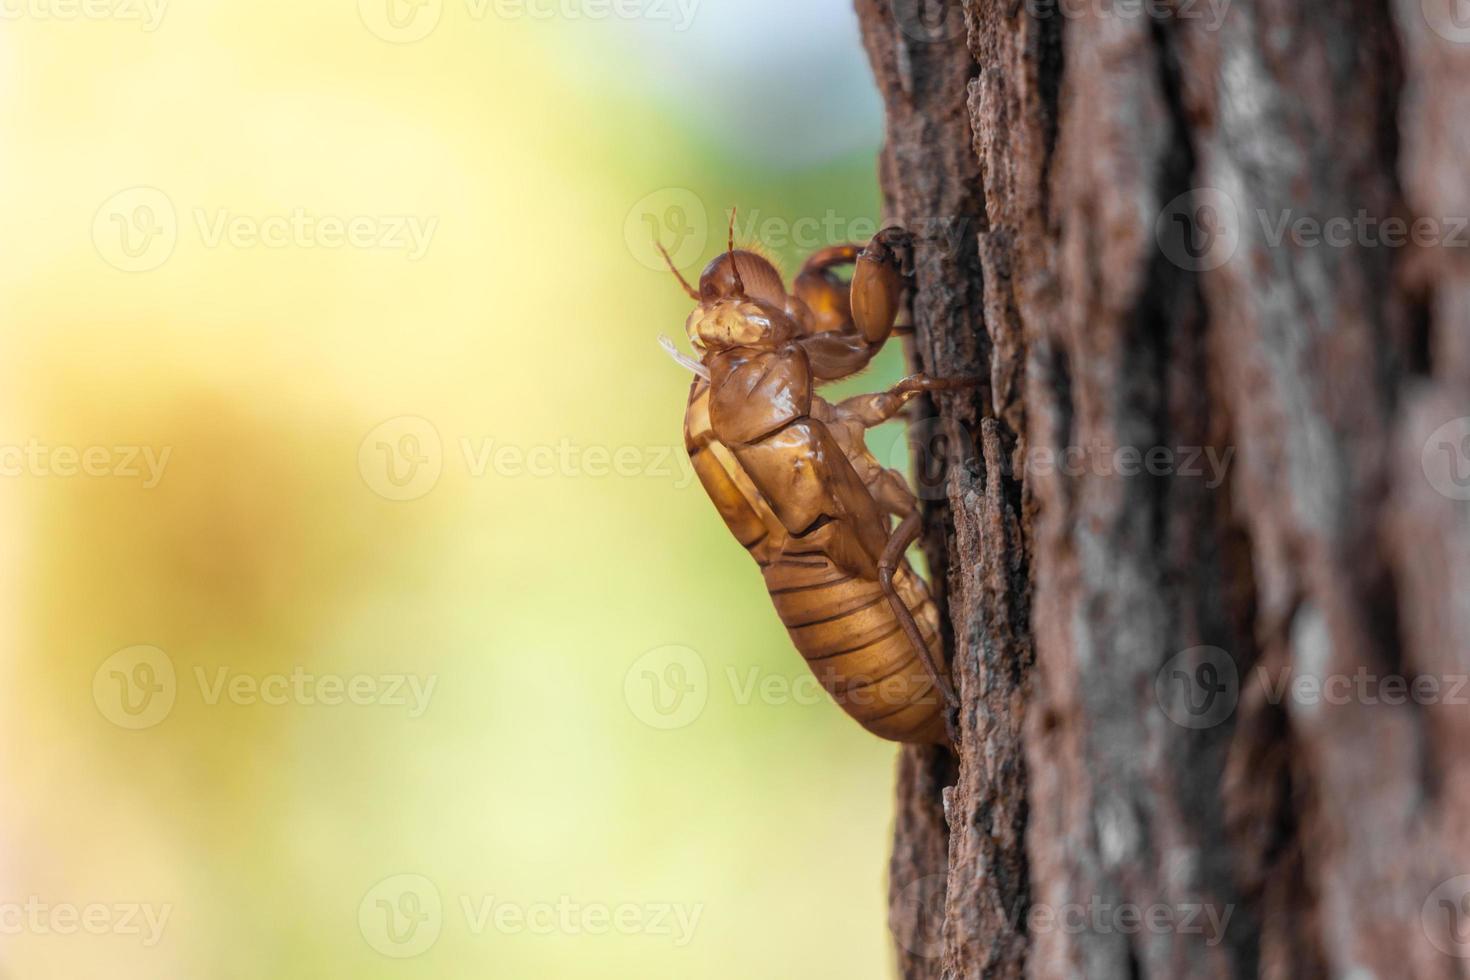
pixel 1220 464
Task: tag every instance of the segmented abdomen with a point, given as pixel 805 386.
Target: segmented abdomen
pixel 846 630
pixel 843 626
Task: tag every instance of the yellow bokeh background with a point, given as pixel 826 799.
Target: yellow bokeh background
pixel 537 584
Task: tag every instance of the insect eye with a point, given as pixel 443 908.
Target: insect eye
pixel 717 283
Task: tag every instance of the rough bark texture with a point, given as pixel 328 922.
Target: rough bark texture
pixel 1099 188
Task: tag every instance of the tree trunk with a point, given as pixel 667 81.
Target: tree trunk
pixel 1208 550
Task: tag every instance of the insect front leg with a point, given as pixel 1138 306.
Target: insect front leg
pixel 869 304
pixel 878 283
pixel 850 321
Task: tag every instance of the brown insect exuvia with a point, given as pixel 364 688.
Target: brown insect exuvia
pixel 792 476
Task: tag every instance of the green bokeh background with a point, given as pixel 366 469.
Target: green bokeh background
pixel 534 776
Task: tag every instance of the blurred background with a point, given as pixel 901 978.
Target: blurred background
pixel 365 618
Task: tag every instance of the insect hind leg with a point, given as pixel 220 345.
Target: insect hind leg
pixel 903 536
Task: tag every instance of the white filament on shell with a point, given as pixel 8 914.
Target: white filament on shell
pixel 684 361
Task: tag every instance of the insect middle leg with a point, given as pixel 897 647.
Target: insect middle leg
pixel 892 494
pixel 879 407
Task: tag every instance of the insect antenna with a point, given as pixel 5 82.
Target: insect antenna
pixel 675 270
pixel 735 269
